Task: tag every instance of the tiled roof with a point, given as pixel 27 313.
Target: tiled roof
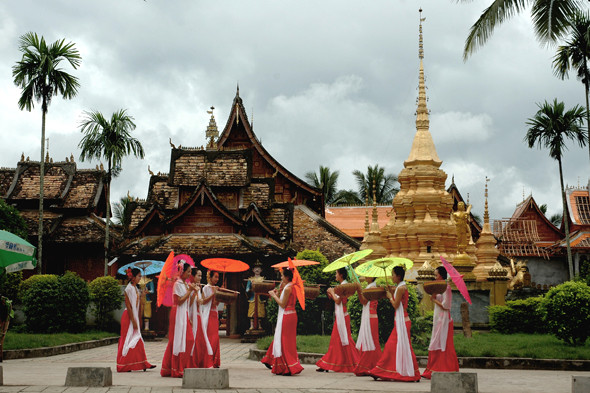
pixel 84 189
pixel 50 220
pixel 164 194
pixel 81 229
pixel 579 205
pixel 221 168
pixel 351 219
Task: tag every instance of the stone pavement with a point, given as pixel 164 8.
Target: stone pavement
pixel 48 375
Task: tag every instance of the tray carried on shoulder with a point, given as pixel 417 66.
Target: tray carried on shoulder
pixel 435 287
pixel 311 291
pixel 226 296
pixel 347 289
pixel 374 293
pixel 263 287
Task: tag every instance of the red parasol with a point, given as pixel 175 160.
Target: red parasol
pixel 297 284
pixel 457 279
pixel 225 265
pixel 295 262
pixel 166 281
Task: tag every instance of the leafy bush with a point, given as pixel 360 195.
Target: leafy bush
pixel 12 221
pixel 567 309
pixel 106 297
pixel 74 298
pixel 518 316
pixel 313 274
pixel 9 285
pixel 41 303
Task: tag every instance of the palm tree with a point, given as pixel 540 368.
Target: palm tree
pixel 550 128
pixel 574 54
pixel 112 141
pixel 385 188
pixel 555 219
pixel 326 181
pixel 346 197
pixel 40 77
pixel 551 19
pixel 121 212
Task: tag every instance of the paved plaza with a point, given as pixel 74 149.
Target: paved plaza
pixel 48 374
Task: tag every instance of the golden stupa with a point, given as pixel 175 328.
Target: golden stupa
pixel 373 239
pixel 487 253
pixel 421 226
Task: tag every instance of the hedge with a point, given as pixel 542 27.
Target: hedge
pixel 567 309
pixel 518 316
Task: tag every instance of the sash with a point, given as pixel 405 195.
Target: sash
pixel 440 328
pixel 340 321
pixel 205 311
pixel 181 320
pixel 193 315
pixel 365 340
pixel 403 354
pixel 133 336
pixel 277 347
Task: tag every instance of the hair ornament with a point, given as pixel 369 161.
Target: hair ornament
pixel 129 273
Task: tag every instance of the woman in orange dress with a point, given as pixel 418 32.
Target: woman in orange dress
pixel 398 362
pixel 210 320
pixel 180 336
pixel 441 352
pixel 131 352
pixel 281 356
pixel 368 339
pixel 342 356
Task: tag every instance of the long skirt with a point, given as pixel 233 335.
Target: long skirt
pixel 201 359
pixel 386 368
pixel 288 363
pixel 442 361
pixel 213 334
pixel 135 358
pixel 369 359
pixel 174 365
pixel 340 358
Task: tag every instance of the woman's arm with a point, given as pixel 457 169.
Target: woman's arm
pixel 398 297
pixel 334 296
pixel 207 299
pixel 359 290
pixel 277 299
pixel 130 312
pixel 178 300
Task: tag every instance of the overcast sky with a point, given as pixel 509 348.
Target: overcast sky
pixel 330 83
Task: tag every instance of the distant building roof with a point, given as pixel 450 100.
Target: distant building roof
pixel 351 219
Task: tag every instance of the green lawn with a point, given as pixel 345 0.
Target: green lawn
pixel 539 346
pixel 26 340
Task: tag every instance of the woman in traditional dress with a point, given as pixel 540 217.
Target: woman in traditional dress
pixel 398 362
pixel 281 356
pixel 210 320
pixel 342 355
pixel 368 339
pixel 180 336
pixel 131 352
pixel 441 352
pixel 202 348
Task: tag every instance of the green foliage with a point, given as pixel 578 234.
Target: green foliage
pixel 41 304
pixel 6 311
pixel 106 297
pixel 74 298
pixel 567 309
pixel 313 274
pixel 518 316
pixel 21 340
pixel 11 220
pixel 9 285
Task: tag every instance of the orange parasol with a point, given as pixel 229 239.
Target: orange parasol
pixel 295 262
pixel 225 265
pixel 166 281
pixel 297 284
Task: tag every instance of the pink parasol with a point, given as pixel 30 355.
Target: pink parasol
pixel 184 258
pixel 295 262
pixel 457 279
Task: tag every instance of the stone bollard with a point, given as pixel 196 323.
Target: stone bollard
pixel 205 378
pixel 89 376
pixel 454 383
pixel 580 384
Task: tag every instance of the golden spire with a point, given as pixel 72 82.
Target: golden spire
pixel 212 131
pixel 366 215
pixel 423 150
pixel 375 222
pixel 486 215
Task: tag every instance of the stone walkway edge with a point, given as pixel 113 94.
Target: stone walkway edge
pixel 57 350
pixel 471 362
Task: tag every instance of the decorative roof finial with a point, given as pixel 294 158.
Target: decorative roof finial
pixel 486 215
pixel 212 131
pixel 366 214
pixel 22 157
pixel 375 220
pixel 420 43
pixel 238 89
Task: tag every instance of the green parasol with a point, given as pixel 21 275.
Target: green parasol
pixel 347 260
pixel 382 267
pixel 16 253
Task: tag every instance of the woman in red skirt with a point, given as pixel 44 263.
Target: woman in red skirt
pixel 441 352
pixel 131 352
pixel 368 339
pixel 210 320
pixel 180 336
pixel 342 355
pixel 202 352
pixel 281 356
pixel 398 362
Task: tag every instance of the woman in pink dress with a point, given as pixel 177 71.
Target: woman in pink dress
pixel 398 362
pixel 210 320
pixel 368 339
pixel 441 352
pixel 180 336
pixel 281 356
pixel 131 352
pixel 342 355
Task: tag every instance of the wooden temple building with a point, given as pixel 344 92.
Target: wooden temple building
pixel 230 199
pixel 74 202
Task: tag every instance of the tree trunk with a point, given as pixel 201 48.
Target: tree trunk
pixel 587 88
pixel 108 214
pixel 566 221
pixel 41 182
